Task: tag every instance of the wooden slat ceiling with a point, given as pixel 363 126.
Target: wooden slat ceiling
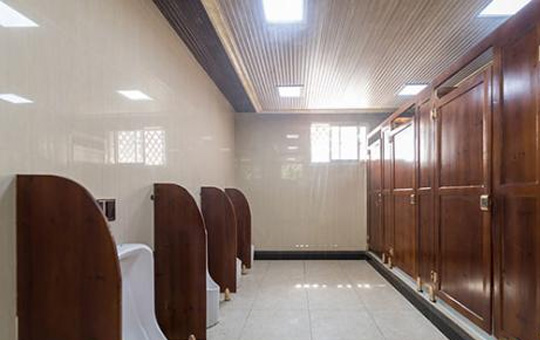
pixel 351 55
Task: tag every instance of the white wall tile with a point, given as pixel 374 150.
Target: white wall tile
pixel 71 67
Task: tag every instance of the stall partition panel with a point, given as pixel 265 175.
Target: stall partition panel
pixel 68 275
pixel 180 263
pixel 517 190
pixel 424 194
pixel 376 235
pixel 243 219
pixel 463 174
pixel 387 194
pixel 405 239
pixel 220 221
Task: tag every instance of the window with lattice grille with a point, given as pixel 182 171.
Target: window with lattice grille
pixel 337 143
pixel 146 147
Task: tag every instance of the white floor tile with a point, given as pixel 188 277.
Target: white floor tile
pixel 319 300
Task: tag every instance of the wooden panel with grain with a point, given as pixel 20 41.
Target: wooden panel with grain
pixel 180 263
pixel 427 236
pixel 404 210
pixel 68 273
pixel 220 221
pixel 243 219
pixel 463 175
pixel 375 229
pixel 517 187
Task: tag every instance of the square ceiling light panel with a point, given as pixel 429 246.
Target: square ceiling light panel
pixel 503 8
pixel 9 17
pixel 412 89
pixel 290 91
pixel 284 11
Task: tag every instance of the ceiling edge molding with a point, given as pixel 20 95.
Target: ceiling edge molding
pixel 224 33
pixel 190 21
pixel 334 111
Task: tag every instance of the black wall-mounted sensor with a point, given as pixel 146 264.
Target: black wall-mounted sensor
pixel 108 206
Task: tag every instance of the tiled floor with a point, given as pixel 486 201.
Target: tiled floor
pixel 319 300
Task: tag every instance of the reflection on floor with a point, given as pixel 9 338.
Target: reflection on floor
pixel 319 300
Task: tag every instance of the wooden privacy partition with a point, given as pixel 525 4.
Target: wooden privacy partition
pixel 220 221
pixel 474 227
pixel 180 263
pixel 68 275
pixel 243 224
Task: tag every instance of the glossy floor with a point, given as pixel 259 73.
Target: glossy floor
pixel 319 300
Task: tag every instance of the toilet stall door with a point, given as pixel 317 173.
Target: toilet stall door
pixel 405 236
pixel 376 236
pixel 517 190
pixel 424 194
pixel 463 181
pixel 387 194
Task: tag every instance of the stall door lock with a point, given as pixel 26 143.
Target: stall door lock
pixel 485 202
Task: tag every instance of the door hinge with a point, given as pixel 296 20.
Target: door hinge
pixel 434 114
pixel 434 277
pixel 485 202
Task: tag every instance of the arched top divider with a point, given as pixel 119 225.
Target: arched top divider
pixel 243 219
pixel 220 221
pixel 180 258
pixel 68 274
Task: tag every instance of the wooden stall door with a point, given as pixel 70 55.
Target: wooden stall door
pixel 375 230
pixel 463 177
pixel 404 199
pixel 424 194
pixel 517 190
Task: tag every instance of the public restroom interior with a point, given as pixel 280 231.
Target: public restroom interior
pixel 265 169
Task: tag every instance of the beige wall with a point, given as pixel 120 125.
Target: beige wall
pixel 296 203
pixel 71 67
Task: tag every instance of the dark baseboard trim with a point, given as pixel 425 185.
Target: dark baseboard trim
pixel 447 326
pixel 310 255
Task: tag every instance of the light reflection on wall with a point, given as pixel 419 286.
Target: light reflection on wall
pixel 144 147
pixel 291 172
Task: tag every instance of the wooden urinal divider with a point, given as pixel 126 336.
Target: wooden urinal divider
pixel 243 219
pixel 68 273
pixel 180 263
pixel 220 221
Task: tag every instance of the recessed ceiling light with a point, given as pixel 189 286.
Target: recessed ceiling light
pixel 503 8
pixel 11 18
pixel 290 91
pixel 283 11
pixel 292 148
pixel 412 89
pixel 293 136
pixel 135 95
pixel 14 99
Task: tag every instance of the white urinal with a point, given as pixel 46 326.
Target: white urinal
pixel 138 311
pixel 238 272
pixel 212 301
